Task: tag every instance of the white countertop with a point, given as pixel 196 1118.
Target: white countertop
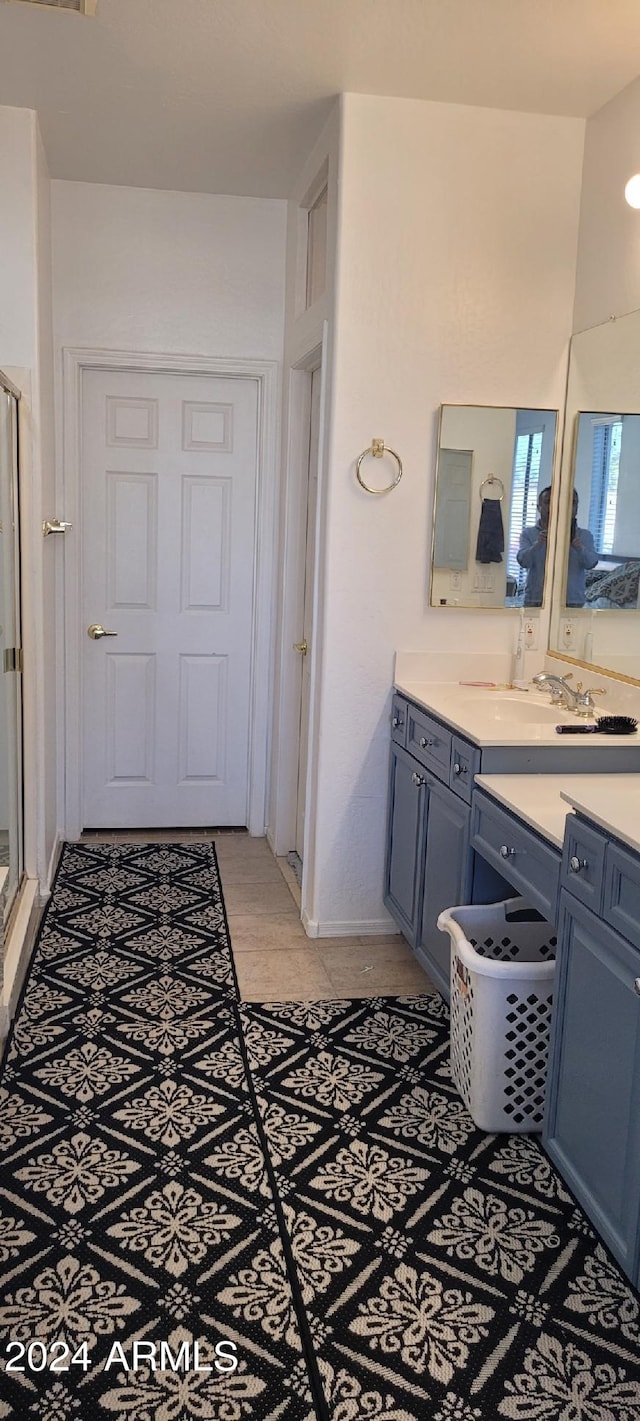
pixel 543 802
pixel 502 717
pixel 612 801
pixel 536 799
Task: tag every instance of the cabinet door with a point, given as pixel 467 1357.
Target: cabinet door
pixel 446 877
pixel 407 797
pixel 591 1127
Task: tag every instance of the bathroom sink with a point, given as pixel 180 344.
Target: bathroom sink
pixel 520 709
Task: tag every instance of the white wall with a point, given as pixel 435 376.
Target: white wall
pixel 608 271
pixel 17 239
pixel 45 554
pixel 455 283
pixel 143 270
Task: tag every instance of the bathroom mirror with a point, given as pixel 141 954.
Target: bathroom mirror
pixel 595 613
pixel 493 464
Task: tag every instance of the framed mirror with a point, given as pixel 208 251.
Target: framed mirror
pixel 493 486
pixel 595 615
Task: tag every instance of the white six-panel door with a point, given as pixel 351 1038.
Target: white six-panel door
pixel 168 530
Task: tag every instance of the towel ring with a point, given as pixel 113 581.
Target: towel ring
pixel 492 479
pixel 377 448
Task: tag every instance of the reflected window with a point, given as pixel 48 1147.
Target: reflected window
pixel 524 498
pixel 605 470
pixel 605 483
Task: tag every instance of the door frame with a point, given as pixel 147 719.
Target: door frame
pixel 267 375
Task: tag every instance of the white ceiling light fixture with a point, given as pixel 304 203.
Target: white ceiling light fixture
pixel 632 191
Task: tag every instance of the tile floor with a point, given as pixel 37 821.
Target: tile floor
pixel 274 958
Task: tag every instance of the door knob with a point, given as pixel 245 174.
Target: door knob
pixel 301 646
pixel 95 631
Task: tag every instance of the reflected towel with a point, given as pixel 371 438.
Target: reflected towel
pixel 490 543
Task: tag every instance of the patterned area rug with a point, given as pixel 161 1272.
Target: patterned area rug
pixel 135 1205
pixel 295 1189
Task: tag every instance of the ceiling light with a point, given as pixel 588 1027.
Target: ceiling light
pixel 632 191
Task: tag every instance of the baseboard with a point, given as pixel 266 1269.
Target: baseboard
pixel 18 949
pixel 368 927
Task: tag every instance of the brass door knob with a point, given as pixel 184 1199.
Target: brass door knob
pixel 301 646
pixel 95 631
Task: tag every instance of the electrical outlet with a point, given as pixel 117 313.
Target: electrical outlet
pixel 455 581
pixel 530 628
pixel 568 632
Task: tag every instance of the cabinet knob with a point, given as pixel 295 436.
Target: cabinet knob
pixel 397 722
pixel 459 769
pixel 506 852
pixel 636 986
pixel 417 779
pixel 424 743
pixel 576 865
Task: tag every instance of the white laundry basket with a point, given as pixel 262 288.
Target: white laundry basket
pixel 502 969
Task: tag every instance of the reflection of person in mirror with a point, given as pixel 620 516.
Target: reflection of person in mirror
pixel 532 555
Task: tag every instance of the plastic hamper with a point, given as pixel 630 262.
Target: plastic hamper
pixel 502 969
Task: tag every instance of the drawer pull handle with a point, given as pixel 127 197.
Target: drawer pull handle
pixel 576 865
pixel 424 743
pixel 397 722
pixel 459 769
pixel 417 779
pixel 636 986
pixel 506 852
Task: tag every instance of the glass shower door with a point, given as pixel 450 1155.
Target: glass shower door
pixel 11 809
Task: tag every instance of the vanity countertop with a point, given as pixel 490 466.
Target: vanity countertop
pixel 502 717
pixel 543 802
pixel 610 801
pixel 537 799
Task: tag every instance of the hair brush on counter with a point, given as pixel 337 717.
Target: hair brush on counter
pixel 605 725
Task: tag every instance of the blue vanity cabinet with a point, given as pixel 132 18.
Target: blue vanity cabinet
pixel 404 865
pixel 428 861
pixel 591 1126
pixel 446 879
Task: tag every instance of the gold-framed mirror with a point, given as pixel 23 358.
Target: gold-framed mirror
pixel 494 464
pixel 595 615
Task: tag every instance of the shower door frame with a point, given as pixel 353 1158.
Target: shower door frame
pixel 16 766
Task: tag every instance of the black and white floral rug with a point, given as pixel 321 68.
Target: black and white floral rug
pixel 223 1212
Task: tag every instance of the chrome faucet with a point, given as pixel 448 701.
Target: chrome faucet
pixel 562 694
pixel 580 701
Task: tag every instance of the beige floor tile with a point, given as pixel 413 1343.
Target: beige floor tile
pixel 282 977
pixel 386 940
pixel 266 934
pixel 252 868
pixel 234 847
pixel 389 969
pixel 256 898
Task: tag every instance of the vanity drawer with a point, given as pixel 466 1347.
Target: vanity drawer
pixel 465 763
pixel 621 905
pixel 526 861
pixel 399 713
pixel 429 742
pixel 583 862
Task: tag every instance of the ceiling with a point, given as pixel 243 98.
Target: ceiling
pixel 228 95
